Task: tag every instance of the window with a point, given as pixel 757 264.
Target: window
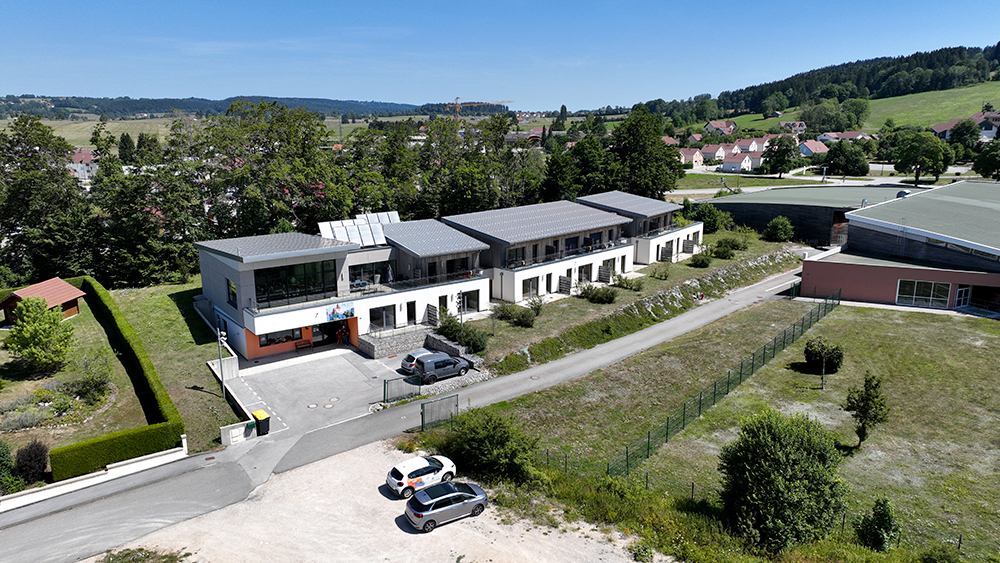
pixel 572 244
pixel 383 317
pixel 231 292
pixel 515 256
pixel 290 284
pixel 923 293
pixel 373 272
pixel 280 337
pixel 469 301
pixel 459 265
pixel 595 238
pixel 529 288
pixel 584 273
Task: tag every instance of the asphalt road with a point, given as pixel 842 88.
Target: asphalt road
pixel 87 522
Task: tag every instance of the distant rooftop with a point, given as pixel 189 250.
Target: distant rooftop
pixel 830 195
pixel 960 212
pixel 272 247
pixel 430 238
pixel 533 222
pixel 629 204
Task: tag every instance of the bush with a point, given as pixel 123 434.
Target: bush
pixel 523 318
pixel 734 243
pixel 535 304
pixel 941 553
pixel 10 484
pixel 723 252
pixel 713 219
pixel 92 386
pixel 779 480
pixel 702 260
pixel 6 459
pixel 39 338
pixel 818 348
pixel 779 229
pixel 596 294
pixel 878 529
pixel 633 284
pixel 504 311
pixel 31 461
pixel 491 446
pixel 473 338
pixel 659 270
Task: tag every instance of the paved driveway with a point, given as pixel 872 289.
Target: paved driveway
pixel 312 390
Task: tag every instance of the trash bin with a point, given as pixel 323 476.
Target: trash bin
pixel 263 421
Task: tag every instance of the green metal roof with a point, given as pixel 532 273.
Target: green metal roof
pixel 963 212
pixel 828 195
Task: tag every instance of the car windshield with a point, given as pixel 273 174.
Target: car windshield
pixel 464 488
pixel 417 506
pixel 432 462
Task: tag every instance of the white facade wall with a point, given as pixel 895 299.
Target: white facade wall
pixel 508 285
pixel 647 250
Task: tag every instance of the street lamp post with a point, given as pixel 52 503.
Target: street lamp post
pixel 461 310
pixel 222 372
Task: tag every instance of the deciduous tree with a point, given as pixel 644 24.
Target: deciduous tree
pixel 988 162
pixel 846 159
pixel 867 406
pixel 38 337
pixel 780 154
pixel 649 167
pixel 922 153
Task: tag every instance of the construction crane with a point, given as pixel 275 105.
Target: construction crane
pixel 458 106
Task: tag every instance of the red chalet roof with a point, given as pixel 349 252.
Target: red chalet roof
pixel 55 291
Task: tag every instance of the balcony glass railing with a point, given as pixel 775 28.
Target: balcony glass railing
pixel 664 230
pixel 361 289
pixel 586 249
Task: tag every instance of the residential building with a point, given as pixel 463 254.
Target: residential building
pixel 653 233
pixel 547 247
pixel 713 152
pixel 720 127
pixel 737 162
pixel 694 156
pixel 669 140
pixel 83 166
pixel 849 136
pixel 797 127
pixel 56 293
pixel 811 147
pixel 695 137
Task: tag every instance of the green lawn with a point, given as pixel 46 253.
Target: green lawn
pixel 124 413
pixel 179 343
pixel 927 108
pixel 709 181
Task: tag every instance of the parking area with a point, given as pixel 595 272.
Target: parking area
pixel 302 391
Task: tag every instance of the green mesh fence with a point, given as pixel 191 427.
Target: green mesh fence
pixel 437 412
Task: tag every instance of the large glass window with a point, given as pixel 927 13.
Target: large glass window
pixel 923 293
pixel 515 256
pixel 280 337
pixel 460 265
pixel 373 272
pixel 383 317
pixel 529 288
pixel 231 292
pixel 295 283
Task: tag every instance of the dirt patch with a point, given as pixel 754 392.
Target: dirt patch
pixel 339 509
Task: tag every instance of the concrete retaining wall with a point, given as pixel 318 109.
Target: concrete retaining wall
pixel 437 342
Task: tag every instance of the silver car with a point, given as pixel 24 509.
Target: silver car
pixel 410 360
pixel 445 502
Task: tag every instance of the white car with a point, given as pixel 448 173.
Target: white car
pixel 418 473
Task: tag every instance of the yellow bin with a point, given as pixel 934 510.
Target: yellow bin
pixel 263 421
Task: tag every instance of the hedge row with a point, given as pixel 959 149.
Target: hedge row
pixel 647 311
pixel 165 425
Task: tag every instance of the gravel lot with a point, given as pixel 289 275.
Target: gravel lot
pixel 339 509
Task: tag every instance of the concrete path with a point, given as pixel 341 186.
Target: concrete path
pixel 90 521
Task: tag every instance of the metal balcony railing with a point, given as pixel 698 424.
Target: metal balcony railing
pixel 552 257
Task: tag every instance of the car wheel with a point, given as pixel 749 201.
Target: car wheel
pixel 431 380
pixel 446 477
pixel 463 371
pixel 406 493
pixel 429 526
pixel 478 510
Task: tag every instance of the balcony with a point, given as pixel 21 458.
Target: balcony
pixel 665 230
pixel 586 249
pixel 358 289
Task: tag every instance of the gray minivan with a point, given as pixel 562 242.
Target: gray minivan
pixel 439 365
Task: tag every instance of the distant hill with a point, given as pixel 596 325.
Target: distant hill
pixel 56 107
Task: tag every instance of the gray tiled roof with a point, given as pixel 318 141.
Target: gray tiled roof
pixel 430 238
pixel 533 222
pixel 964 211
pixel 271 247
pixel 629 204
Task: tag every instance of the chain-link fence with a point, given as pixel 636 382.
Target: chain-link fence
pixel 437 412
pixel 400 388
pixel 639 450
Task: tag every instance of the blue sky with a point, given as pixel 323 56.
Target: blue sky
pixel 540 54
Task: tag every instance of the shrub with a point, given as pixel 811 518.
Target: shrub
pixel 490 445
pixel 817 349
pixel 633 284
pixel 39 338
pixel 713 219
pixel 43 395
pixel 723 252
pixel 10 484
pixel 474 338
pixel 596 294
pixel 504 310
pixel 734 243
pixel 779 229
pixel 941 553
pixel 61 405
pixel 143 555
pixel 31 461
pixel 535 304
pixel 90 388
pixel 878 529
pixel 702 260
pixel 6 459
pixel 523 318
pixel 659 270
pixel 26 419
pixel 779 480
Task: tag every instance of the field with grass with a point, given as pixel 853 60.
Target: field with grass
pixel 560 315
pixel 927 108
pixel 179 343
pixel 77 133
pixel 120 413
pixel 935 458
pixel 711 182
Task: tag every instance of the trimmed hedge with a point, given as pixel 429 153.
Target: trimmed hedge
pixel 165 423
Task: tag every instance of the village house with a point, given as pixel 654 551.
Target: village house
pixel 694 156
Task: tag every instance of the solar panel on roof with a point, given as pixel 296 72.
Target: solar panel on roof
pixel 383 218
pixel 378 233
pixel 366 236
pixel 340 233
pixel 393 217
pixel 353 234
pixel 326 230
